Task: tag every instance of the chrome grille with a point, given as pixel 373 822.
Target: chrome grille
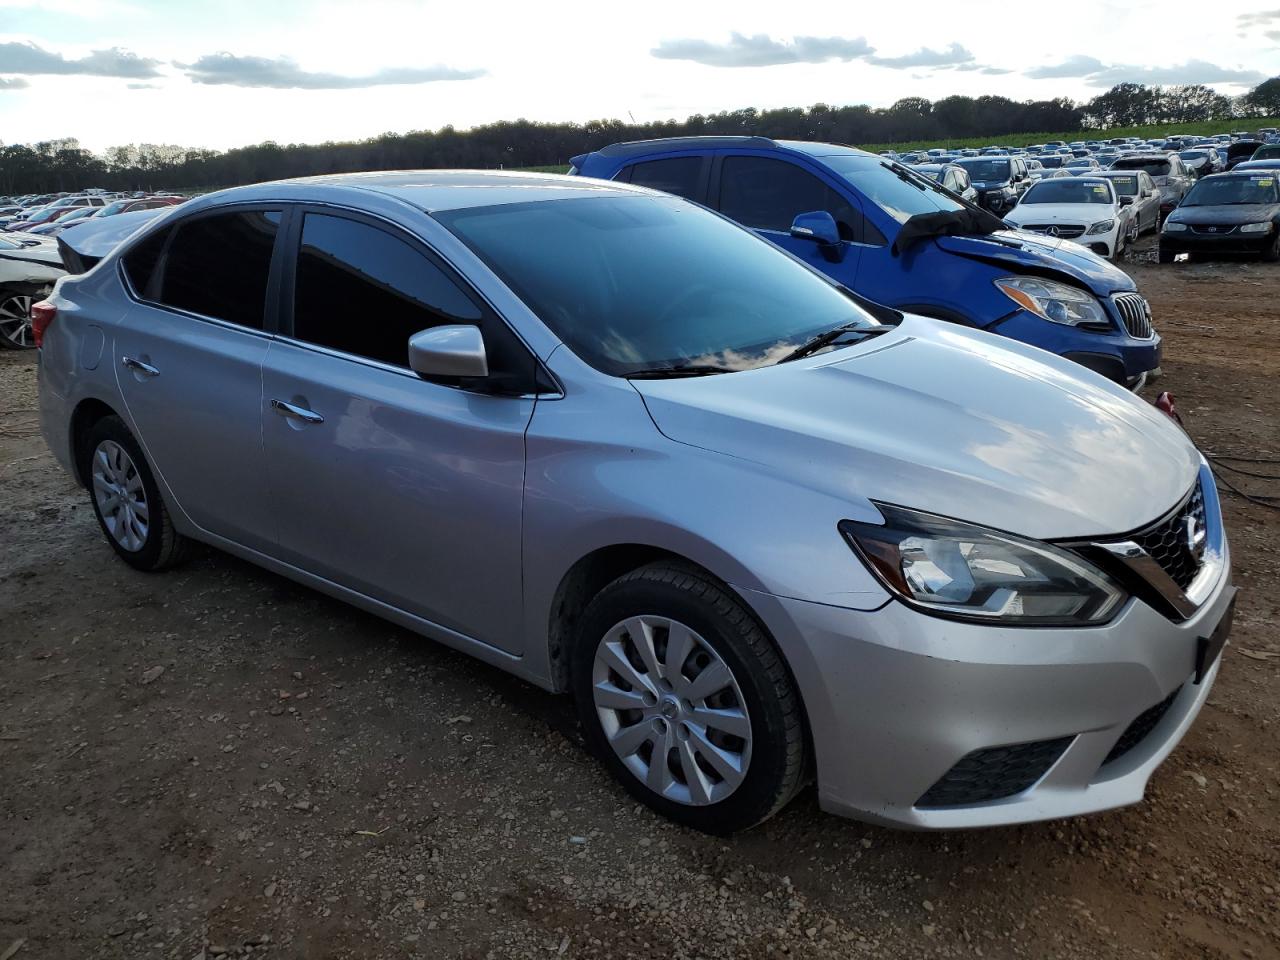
pixel 1169 542
pixel 1136 314
pixel 1067 231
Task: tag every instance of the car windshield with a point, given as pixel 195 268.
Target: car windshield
pixel 111 209
pixel 1068 190
pixel 1193 154
pixel 636 284
pixel 986 170
pixel 1081 162
pixel 897 190
pixel 1154 166
pixel 1126 186
pixel 1232 191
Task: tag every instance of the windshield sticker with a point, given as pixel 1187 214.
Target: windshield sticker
pixel 1263 181
pixel 1100 190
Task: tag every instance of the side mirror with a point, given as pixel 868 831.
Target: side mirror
pixel 820 227
pixel 452 351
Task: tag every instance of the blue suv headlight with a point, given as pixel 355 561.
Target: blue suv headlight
pixel 1056 302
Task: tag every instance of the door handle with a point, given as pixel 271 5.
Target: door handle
pixel 138 366
pixel 296 412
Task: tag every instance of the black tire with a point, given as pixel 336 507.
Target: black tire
pixel 163 546
pixel 16 300
pixel 777 765
pixel 1165 256
pixel 1272 253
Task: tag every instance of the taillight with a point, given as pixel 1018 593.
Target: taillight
pixel 42 314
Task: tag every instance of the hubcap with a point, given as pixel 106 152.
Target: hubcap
pixel 120 495
pixel 15 320
pixel 672 710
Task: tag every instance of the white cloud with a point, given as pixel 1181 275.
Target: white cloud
pixel 763 51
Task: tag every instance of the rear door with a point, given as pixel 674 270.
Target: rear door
pixel 401 489
pixel 188 358
pixel 684 176
pixel 767 193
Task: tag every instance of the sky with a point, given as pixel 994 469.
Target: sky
pixel 223 74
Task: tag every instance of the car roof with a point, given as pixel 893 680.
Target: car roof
pixel 427 190
pixel 630 148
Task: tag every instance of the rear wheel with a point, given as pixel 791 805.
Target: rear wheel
pixel 687 702
pixel 126 500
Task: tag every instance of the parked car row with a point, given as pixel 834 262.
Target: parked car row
pixel 29 258
pixel 764 529
pixel 1002 174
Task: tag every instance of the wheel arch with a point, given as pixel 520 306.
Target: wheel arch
pixel 88 412
pixel 593 572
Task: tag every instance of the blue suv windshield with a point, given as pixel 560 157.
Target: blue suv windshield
pixel 642 283
pixel 897 191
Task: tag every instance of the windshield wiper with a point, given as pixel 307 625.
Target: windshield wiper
pixel 830 337
pixel 902 175
pixel 678 370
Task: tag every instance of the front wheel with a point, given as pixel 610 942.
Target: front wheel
pixel 686 700
pixel 1272 253
pixel 15 318
pixel 1165 256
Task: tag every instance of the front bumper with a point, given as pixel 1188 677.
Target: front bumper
pixel 1114 353
pixel 1235 242
pixel 896 699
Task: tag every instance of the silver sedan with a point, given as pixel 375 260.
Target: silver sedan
pixel 600 437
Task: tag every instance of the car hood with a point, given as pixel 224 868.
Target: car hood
pixel 946 420
pixel 1085 213
pixel 1023 252
pixel 1227 214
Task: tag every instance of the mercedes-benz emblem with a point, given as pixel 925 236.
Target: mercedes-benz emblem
pixel 1194 535
pixel 1052 231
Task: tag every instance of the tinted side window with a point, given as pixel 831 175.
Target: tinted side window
pixel 140 262
pixel 767 194
pixel 678 175
pixel 217 266
pixel 363 291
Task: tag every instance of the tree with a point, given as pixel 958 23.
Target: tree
pixel 1264 98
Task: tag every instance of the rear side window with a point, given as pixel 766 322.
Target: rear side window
pixel 678 175
pixel 365 292
pixel 217 266
pixel 140 262
pixel 768 194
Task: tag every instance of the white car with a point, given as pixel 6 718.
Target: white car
pixel 28 267
pixel 1084 209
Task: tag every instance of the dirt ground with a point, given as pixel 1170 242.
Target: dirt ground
pixel 304 780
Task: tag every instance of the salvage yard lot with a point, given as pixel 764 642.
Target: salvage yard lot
pixel 216 759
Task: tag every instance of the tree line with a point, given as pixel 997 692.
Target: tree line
pixel 64 165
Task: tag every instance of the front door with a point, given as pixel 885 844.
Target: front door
pixel 188 358
pixel 404 490
pixel 767 193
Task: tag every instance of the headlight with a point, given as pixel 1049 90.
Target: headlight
pixel 959 570
pixel 1255 228
pixel 1173 226
pixel 1102 226
pixel 1053 301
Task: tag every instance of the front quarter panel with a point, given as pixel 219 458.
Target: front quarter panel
pixel 599 474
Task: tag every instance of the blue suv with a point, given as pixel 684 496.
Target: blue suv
pixel 897 238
